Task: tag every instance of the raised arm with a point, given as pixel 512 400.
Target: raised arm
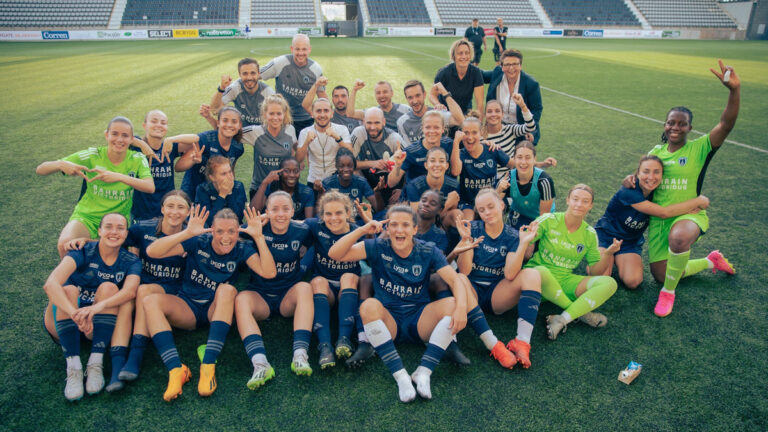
pixel 306 103
pixel 348 248
pixel 728 77
pixel 262 263
pixel 351 111
pixel 216 102
pixel 171 245
pixel 455 163
pixel 605 259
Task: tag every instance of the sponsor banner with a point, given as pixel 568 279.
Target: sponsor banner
pixel 310 31
pixel 670 34
pixel 55 35
pixel 489 31
pixel 411 31
pixel 259 32
pixel 445 31
pixel 380 31
pixel 20 35
pixel 223 33
pixel 593 33
pixel 551 33
pixel 185 33
pixel 573 33
pixel 107 34
pixel 160 34
pixel 632 34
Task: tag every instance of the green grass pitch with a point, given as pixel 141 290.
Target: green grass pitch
pixel 704 366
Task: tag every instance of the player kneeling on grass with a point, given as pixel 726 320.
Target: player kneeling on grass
pixel 84 293
pixel 564 240
pixel 333 279
pixel 498 283
pixel 108 190
pixel 206 294
pixel 626 218
pixel 163 275
pixel 685 163
pixel 284 293
pixel 401 307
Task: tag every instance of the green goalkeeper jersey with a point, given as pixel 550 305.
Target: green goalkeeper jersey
pixel 100 197
pixel 561 251
pixel 683 170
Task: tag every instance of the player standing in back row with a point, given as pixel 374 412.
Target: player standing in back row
pixel 294 75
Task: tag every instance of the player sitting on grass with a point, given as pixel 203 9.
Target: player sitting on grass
pixel 284 294
pixel 206 295
pixel 685 163
pixel 565 239
pixel 162 275
pixel 401 308
pixel 84 292
pixel 498 282
pixel 627 215
pixel 333 279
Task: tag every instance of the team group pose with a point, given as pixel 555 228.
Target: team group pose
pixel 413 223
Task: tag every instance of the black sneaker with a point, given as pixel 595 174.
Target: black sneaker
pixel 454 355
pixel 364 352
pixel 327 359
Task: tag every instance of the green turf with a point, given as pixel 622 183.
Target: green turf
pixel 704 366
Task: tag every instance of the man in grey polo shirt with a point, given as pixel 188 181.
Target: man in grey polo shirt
pixel 374 144
pixel 383 93
pixel 294 75
pixel 247 93
pixel 409 125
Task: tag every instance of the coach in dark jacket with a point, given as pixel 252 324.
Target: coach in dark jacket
pixel 504 79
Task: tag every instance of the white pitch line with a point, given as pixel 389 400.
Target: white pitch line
pixel 757 149
pixel 644 117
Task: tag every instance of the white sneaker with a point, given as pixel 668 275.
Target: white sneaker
pixel 74 388
pixel 94 381
pixel 404 386
pixel 422 381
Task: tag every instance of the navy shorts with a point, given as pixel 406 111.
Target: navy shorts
pixel 407 320
pixel 605 240
pixel 484 294
pixel 171 288
pixel 199 308
pixel 273 299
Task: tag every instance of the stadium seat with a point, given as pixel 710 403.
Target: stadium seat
pixel 55 13
pixel 180 12
pixel 684 13
pixel 589 13
pixel 461 13
pixel 394 12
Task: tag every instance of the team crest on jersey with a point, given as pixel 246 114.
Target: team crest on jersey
pixel 489 162
pixel 682 161
pixel 306 79
pixel 354 192
pixel 231 266
pixel 579 248
pixel 503 251
pixel 416 270
pixel 295 245
pixel 119 276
